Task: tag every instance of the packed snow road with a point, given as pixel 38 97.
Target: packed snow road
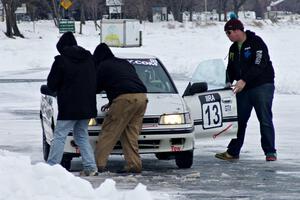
pixel 209 178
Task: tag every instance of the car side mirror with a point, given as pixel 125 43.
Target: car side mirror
pixel 198 87
pixel 195 88
pixel 46 91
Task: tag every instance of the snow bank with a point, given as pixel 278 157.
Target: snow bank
pixel 20 180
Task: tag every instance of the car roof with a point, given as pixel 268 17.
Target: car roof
pixel 134 56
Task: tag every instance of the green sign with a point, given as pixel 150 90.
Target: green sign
pixel 66 25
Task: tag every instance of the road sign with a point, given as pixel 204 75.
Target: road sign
pixel 66 25
pixel 66 4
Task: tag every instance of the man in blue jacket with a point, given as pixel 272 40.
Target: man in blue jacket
pixel 250 66
pixel 73 78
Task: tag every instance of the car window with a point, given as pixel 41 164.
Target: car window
pixel 153 75
pixel 213 72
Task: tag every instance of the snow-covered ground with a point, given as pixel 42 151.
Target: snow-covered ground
pixel 180 47
pixel 22 180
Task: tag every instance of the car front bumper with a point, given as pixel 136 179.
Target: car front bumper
pixel 150 141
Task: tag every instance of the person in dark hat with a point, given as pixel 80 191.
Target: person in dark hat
pixel 73 78
pixel 125 111
pixel 251 70
pixel 234 24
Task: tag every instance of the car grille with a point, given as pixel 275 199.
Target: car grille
pixel 148 120
pixel 144 144
pixel 153 120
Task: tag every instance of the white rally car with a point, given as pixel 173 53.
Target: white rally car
pixel 171 120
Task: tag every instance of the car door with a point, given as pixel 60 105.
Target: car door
pixel 46 116
pixel 211 102
pixel 48 112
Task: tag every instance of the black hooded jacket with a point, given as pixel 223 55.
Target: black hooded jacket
pixel 73 77
pixel 251 64
pixel 114 75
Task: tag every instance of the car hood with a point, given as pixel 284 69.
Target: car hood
pixel 164 104
pixel 158 104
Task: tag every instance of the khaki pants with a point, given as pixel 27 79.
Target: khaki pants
pixel 123 122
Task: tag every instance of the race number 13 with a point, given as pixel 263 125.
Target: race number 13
pixel 211 110
pixel 212 116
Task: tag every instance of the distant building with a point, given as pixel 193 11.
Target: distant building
pixel 200 16
pixel 280 15
pixel 247 15
pixel 212 16
pixel 159 14
pixel 273 13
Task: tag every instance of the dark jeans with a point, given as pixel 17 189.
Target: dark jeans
pixel 261 99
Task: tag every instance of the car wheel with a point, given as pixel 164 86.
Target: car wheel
pixel 163 156
pixel 66 162
pixel 184 159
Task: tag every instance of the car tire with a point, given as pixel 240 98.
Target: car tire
pixel 66 162
pixel 184 159
pixel 163 156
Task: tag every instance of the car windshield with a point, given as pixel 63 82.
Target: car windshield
pixel 213 72
pixel 153 75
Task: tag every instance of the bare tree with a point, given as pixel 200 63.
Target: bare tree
pixel 82 14
pixel 258 8
pixel 176 7
pixel 2 13
pixel 7 9
pixel 32 8
pixel 56 15
pixel 37 9
pixel 12 29
pixel 222 7
pixel 290 5
pixel 137 9
pixel 141 9
pixel 237 4
pixel 92 9
pixel 189 5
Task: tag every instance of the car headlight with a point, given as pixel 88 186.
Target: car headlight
pixel 93 122
pixel 182 118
